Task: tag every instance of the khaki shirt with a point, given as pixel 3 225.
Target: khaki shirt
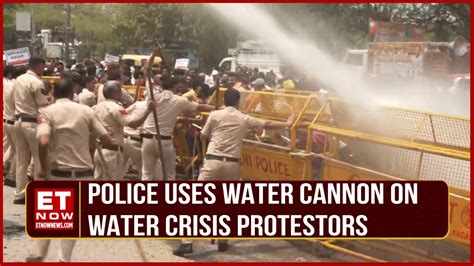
pixel 227 128
pixel 8 100
pixel 70 125
pixel 126 99
pixel 114 117
pixel 86 97
pixel 138 105
pixel 168 107
pixel 27 94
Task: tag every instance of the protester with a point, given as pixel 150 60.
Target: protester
pixel 87 95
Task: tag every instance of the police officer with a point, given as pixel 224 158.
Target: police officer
pixel 226 130
pixel 114 117
pixel 168 107
pixel 132 143
pixel 64 129
pixel 8 122
pixel 29 96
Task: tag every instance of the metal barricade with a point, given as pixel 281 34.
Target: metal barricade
pixel 135 91
pixel 380 143
pixel 275 154
pixel 51 79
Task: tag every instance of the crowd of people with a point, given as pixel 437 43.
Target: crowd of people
pixel 83 124
pixel 96 72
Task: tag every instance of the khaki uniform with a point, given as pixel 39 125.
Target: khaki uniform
pixel 226 129
pixel 114 117
pixel 8 122
pixel 69 125
pixel 168 107
pixel 126 99
pixel 132 143
pixel 7 148
pixel 86 97
pixel 28 99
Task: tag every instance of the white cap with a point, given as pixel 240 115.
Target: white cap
pixel 214 72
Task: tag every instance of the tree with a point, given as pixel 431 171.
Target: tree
pixel 9 11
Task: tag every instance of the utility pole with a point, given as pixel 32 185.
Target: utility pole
pixel 33 30
pixel 68 27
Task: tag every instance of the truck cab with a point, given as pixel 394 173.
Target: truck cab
pixel 228 64
pixel 357 60
pixel 264 60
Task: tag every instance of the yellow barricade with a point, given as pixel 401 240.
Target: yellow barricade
pixel 459 219
pixel 264 162
pixel 459 206
pixel 136 92
pixel 402 143
pixel 367 144
pixel 275 154
pixel 278 106
pixel 51 79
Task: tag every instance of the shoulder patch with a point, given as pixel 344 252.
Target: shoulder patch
pixel 123 112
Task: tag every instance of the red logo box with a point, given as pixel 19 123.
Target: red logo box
pixel 52 209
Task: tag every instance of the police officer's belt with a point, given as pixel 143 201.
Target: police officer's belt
pixel 27 118
pixel 133 138
pixel 10 122
pixel 64 173
pixel 113 147
pixel 222 158
pixel 153 136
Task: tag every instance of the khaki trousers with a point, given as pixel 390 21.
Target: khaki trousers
pixel 66 245
pixel 113 164
pixel 132 154
pixel 213 170
pixel 26 148
pixel 218 170
pixel 65 248
pixel 9 154
pixel 151 164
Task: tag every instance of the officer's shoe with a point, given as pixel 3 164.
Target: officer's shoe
pixel 19 201
pixel 9 183
pixel 34 258
pixel 222 246
pixel 183 249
